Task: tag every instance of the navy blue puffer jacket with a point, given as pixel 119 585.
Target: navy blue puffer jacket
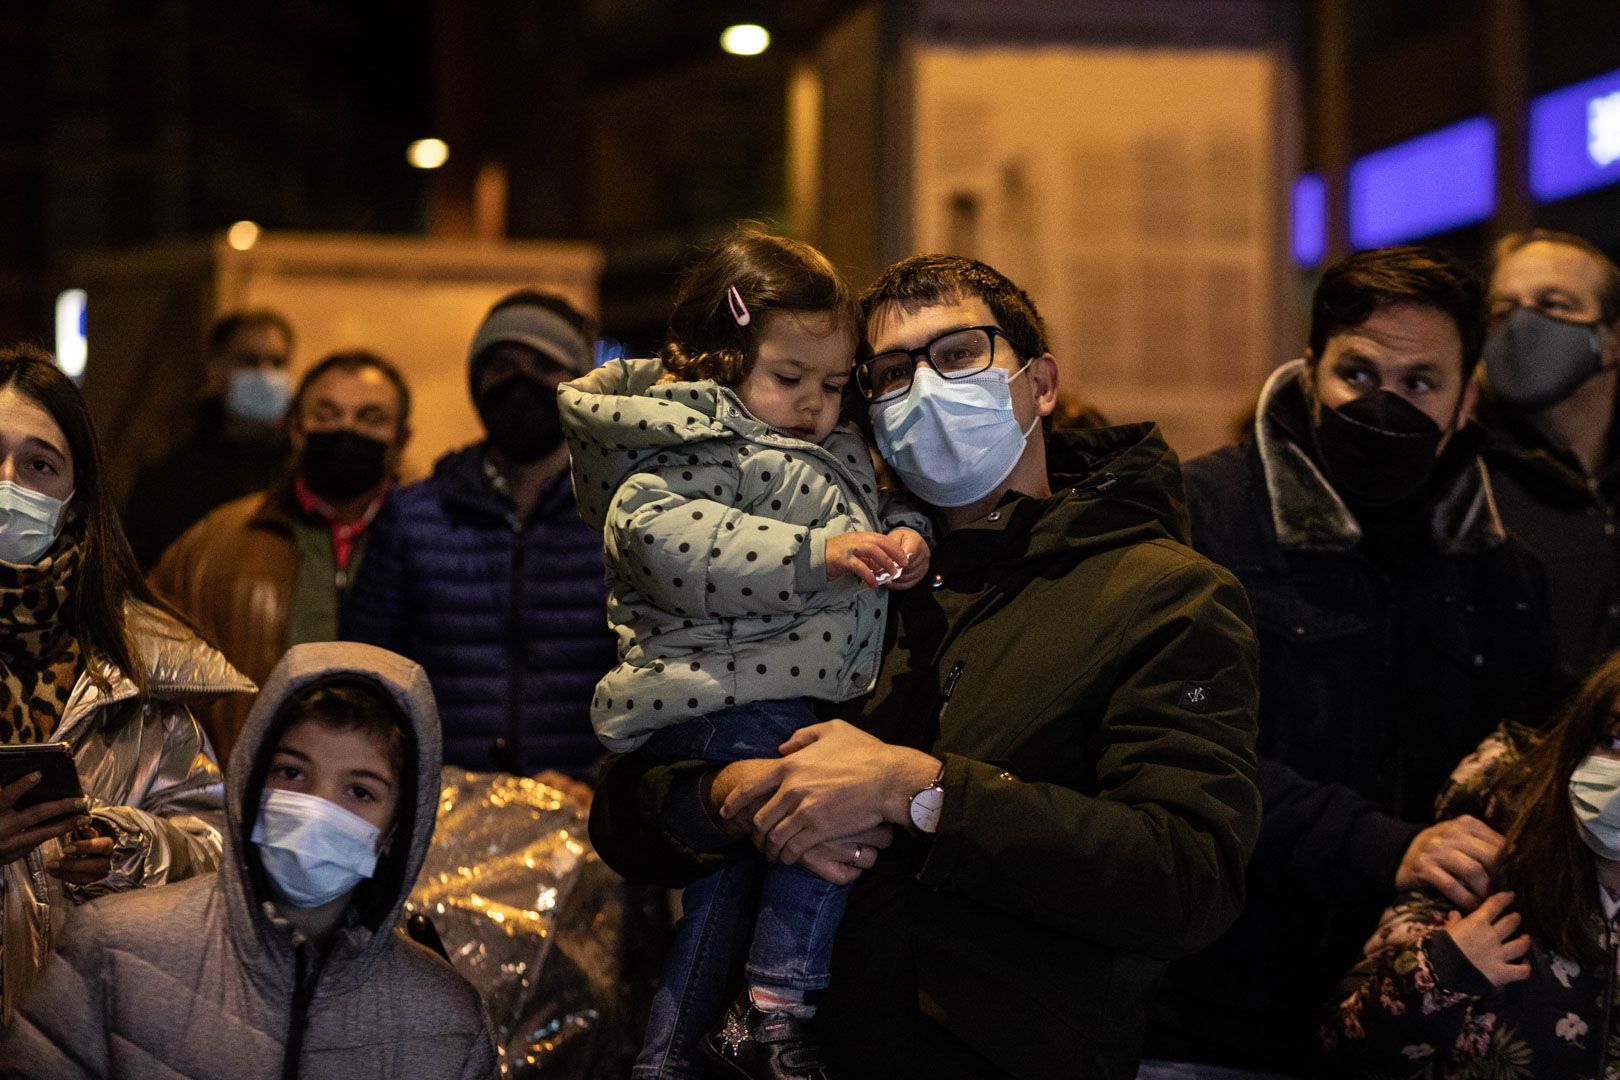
pixel 508 618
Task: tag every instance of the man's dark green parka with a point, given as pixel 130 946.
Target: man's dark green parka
pixel 1090 683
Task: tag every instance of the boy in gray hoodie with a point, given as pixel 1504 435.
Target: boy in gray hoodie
pixel 287 962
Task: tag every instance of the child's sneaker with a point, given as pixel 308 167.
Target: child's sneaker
pixel 775 1045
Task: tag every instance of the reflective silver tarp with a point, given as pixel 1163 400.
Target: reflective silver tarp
pixel 532 918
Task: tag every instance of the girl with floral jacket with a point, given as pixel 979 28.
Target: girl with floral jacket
pixel 1524 984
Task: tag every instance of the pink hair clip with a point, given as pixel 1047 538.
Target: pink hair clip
pixel 739 310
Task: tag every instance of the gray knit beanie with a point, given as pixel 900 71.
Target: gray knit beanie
pixel 537 327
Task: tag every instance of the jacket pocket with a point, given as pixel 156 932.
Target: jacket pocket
pixel 1291 617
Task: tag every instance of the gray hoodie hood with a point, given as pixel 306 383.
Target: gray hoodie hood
pixel 260 938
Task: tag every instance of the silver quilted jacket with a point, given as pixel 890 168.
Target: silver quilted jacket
pixel 150 776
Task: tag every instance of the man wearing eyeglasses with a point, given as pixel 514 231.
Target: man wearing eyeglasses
pixel 1058 758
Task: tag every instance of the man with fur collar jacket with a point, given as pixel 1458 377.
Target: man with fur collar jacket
pixel 1398 623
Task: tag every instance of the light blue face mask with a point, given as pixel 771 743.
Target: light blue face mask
pixel 260 394
pixel 953 441
pixel 314 851
pixel 1594 791
pixel 28 521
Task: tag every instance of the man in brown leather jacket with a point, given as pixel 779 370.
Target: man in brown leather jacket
pixel 270 570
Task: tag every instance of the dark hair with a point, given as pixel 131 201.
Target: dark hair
pixel 770 273
pixel 1544 860
pixel 109 575
pixel 930 279
pixel 351 705
pixel 225 329
pixel 1608 293
pixel 355 360
pixel 581 322
pixel 1357 287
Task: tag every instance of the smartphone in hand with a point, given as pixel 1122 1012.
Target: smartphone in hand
pixel 59 775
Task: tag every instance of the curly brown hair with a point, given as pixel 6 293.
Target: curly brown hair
pixel 770 273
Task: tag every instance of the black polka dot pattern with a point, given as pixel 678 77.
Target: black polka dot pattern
pixel 712 590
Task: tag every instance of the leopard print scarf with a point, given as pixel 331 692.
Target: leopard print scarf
pixel 39 657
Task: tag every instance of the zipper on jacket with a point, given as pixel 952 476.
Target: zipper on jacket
pixel 950 687
pixel 1101 487
pixel 303 991
pixel 1608 1006
pixel 514 654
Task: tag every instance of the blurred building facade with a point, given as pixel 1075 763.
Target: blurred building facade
pixel 129 121
pixel 1131 161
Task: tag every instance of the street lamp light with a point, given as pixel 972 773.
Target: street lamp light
pixel 427 153
pixel 745 39
pixel 242 236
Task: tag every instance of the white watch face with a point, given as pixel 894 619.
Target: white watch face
pixel 925 809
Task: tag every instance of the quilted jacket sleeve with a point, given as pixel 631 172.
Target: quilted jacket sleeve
pixel 680 538
pixel 169 828
pixel 59 1029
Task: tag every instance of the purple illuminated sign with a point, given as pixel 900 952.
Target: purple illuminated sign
pixel 1575 138
pixel 1439 181
pixel 1310 210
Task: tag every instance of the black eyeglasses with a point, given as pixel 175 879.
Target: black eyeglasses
pixel 955 355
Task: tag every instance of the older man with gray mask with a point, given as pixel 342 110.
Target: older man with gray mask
pixel 1549 401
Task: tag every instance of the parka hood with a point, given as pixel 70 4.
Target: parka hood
pixel 619 413
pixel 1111 487
pixel 263 943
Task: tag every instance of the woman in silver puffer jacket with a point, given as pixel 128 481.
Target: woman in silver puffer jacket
pixel 91 658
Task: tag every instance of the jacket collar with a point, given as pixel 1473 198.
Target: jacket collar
pixel 180 666
pixel 1308 514
pixel 1515 441
pixel 278 510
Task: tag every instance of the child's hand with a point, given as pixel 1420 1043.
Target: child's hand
pixel 1487 938
pixel 916 548
pixel 870 556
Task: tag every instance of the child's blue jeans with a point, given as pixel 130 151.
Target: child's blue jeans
pixel 787 912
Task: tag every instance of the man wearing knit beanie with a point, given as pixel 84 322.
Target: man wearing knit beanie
pixel 484 573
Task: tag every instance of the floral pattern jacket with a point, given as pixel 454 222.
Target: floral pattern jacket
pixel 1416 1006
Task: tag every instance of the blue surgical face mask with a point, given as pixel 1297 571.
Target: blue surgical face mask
pixel 314 850
pixel 28 521
pixel 260 394
pixel 1594 791
pixel 953 441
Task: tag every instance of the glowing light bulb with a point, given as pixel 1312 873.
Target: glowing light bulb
pixel 745 39
pixel 242 236
pixel 427 153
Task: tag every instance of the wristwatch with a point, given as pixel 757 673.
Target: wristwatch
pixel 924 806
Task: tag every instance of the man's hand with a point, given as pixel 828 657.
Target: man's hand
pixel 874 558
pixel 842 861
pixel 83 861
pixel 1486 938
pixel 1455 857
pixel 916 561
pixel 21 831
pixel 834 781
